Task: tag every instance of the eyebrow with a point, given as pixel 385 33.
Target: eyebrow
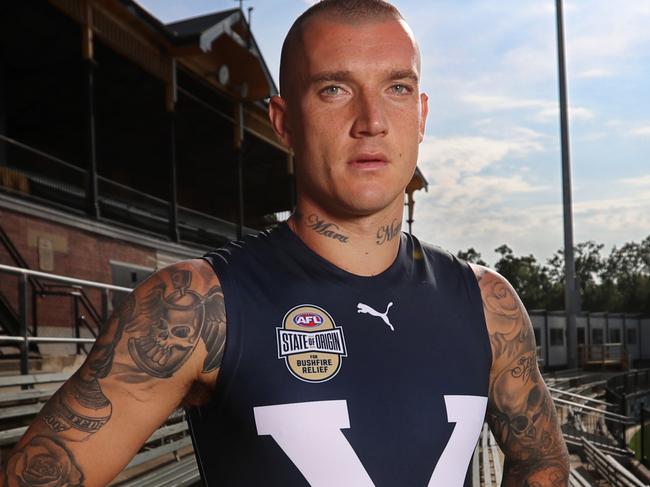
pixel 340 76
pixel 326 76
pixel 404 74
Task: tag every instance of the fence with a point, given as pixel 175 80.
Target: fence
pixel 85 314
pixel 35 174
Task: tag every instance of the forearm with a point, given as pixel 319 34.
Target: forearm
pixel 551 471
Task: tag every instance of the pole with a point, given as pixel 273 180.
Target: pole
pixel 170 106
pixel 105 299
pixel 570 298
pixel 91 174
pixel 174 234
pixel 239 140
pixel 24 346
pixel 77 322
pixel 642 435
pixel 3 111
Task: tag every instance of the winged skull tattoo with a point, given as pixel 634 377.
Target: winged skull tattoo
pixel 179 320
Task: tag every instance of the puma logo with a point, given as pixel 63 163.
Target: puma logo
pixel 364 308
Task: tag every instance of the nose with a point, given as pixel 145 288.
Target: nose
pixel 370 119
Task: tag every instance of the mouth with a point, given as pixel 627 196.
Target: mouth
pixel 374 160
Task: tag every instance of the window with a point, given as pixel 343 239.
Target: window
pixel 581 336
pixel 597 336
pixel 557 337
pixel 615 335
pixel 128 275
pixel 631 336
pixel 538 339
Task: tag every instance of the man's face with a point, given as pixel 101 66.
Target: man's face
pixel 356 117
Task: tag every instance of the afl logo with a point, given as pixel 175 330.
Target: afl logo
pixel 308 319
pixel 311 344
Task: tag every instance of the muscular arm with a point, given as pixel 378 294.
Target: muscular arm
pixel 521 412
pixel 165 339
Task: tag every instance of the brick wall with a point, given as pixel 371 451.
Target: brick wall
pixel 65 251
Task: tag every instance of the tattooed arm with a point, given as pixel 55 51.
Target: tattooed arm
pixel 165 340
pixel 521 412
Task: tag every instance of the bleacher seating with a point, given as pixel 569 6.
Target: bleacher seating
pixel 166 458
pixel 609 468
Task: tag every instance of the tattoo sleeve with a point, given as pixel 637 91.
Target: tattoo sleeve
pixel 521 412
pixel 150 337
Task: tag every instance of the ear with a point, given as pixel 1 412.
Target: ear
pixel 424 111
pixel 278 116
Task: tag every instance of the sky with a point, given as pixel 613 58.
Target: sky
pixel 491 153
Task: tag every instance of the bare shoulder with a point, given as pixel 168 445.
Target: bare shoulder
pixel 506 318
pixel 176 312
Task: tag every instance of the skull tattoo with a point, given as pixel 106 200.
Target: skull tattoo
pixel 179 320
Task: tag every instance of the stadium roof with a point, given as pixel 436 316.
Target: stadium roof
pixel 202 31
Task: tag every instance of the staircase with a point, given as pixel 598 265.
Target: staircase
pixel 32 289
pixel 9 321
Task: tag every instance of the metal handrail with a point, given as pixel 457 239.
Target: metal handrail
pixel 17 257
pixel 129 189
pixel 608 414
pixel 42 154
pixel 578 396
pixel 71 280
pixel 76 292
pixel 25 340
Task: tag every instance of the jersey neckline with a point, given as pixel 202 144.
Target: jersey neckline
pixel 399 269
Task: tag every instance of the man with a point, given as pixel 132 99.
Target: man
pixel 332 350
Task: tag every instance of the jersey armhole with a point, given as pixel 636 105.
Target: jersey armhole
pixel 474 291
pixel 232 349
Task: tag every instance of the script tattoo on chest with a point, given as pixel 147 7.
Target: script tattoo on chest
pixel 330 230
pixel 387 233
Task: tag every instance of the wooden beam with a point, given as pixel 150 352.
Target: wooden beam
pixel 171 91
pixel 87 48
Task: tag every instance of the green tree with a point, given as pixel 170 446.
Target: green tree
pixel 589 264
pixel 527 276
pixel 471 255
pixel 626 278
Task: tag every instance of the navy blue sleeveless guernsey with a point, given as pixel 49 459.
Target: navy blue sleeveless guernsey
pixel 332 379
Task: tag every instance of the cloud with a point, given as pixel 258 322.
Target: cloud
pixel 459 156
pixel 479 196
pixel 595 73
pixel 639 181
pixel 642 131
pixel 532 228
pixel 463 171
pixel 543 110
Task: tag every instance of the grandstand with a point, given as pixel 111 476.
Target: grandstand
pixel 126 144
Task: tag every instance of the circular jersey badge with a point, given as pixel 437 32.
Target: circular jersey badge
pixel 310 343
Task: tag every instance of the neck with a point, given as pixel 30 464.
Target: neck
pixel 365 246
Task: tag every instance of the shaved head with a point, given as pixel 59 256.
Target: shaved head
pixel 343 11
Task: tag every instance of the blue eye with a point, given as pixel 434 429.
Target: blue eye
pixel 400 89
pixel 331 90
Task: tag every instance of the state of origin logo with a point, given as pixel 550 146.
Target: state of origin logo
pixel 310 343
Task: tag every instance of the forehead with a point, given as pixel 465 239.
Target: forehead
pixel 365 46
